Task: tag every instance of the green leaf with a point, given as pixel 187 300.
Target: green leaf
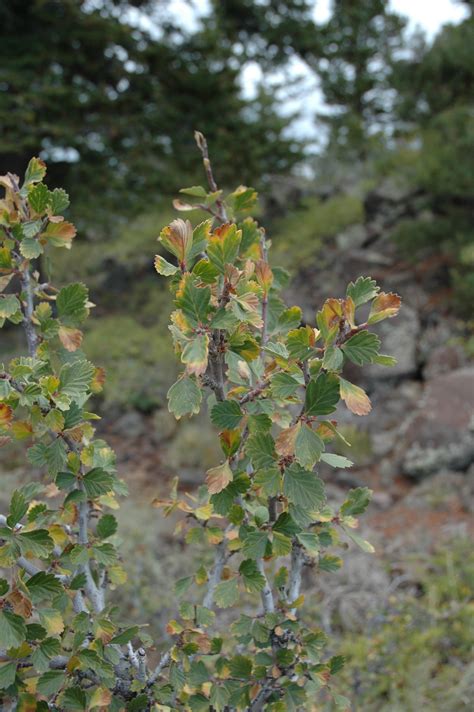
pixel 12 629
pixel 310 541
pixel 65 480
pixel 75 378
pixel 260 448
pixel 255 544
pixel 184 397
pixel 362 348
pixel 383 360
pixel 308 447
pixel 37 542
pixel 226 415
pixel 286 525
pixel 333 358
pixel 361 543
pixel 300 343
pixel 58 201
pixel 3 586
pixel 303 488
pixel 7 675
pixel 226 593
pixel 329 563
pixel 252 578
pixel 105 553
pixel 223 245
pixel 46 650
pixel 283 385
pixel 55 455
pixel 336 460
pixel 197 191
pixel 194 301
pixel 5 389
pixel 18 508
pixel 322 395
pixel 357 502
pixel 125 636
pixel 31 248
pixel 38 197
pixel 97 481
pixel 281 544
pixel 71 304
pixel 50 682
pixel 269 480
pixel 106 526
pixel 43 585
pixel 362 290
pixel 240 666
pixel 9 305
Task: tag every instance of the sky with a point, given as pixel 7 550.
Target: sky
pixel 428 15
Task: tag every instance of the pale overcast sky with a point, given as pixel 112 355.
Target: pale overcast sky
pixel 429 15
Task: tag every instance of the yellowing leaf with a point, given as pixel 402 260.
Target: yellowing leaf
pixel 355 398
pixel 164 267
pixel 51 620
pixel 195 354
pixel 217 478
pixel 6 415
pixel 384 306
pixel 101 697
pixel 21 429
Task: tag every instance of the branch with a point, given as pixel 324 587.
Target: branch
pixel 219 561
pixel 202 145
pixel 297 563
pixel 266 594
pixel 28 309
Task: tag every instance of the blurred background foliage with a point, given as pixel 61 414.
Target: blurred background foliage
pixel 381 181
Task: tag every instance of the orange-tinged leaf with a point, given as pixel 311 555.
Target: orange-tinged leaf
pixel 6 415
pixel 177 237
pixel 60 234
pixel 264 274
pixel 384 306
pixel 349 311
pixel 217 478
pixel 355 398
pixel 70 338
pixel 98 380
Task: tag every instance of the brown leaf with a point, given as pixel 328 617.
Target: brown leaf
pixel 286 441
pixel 355 398
pixel 70 338
pixel 21 605
pixel 384 306
pixel 217 478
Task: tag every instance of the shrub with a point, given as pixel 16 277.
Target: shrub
pixel 272 387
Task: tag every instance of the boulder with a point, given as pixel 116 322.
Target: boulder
pixel 440 434
pixel 399 339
